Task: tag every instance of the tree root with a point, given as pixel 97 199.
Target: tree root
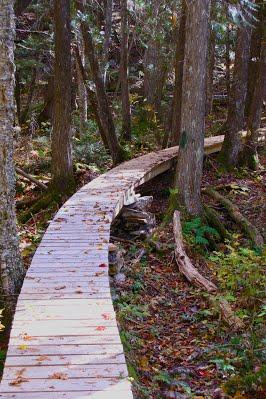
pixel 191 273
pixel 214 220
pixel 248 228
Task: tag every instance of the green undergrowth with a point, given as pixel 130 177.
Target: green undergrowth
pixel 241 276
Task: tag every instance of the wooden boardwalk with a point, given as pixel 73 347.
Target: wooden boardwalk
pixel 64 341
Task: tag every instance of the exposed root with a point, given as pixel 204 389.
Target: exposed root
pixel 191 273
pixel 248 228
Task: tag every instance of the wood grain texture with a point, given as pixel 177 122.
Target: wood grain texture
pixel 65 321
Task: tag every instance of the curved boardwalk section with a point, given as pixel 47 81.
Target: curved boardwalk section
pixel 64 341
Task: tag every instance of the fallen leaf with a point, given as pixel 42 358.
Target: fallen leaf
pixel 100 328
pixel 58 376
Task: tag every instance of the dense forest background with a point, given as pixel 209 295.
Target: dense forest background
pixel 86 85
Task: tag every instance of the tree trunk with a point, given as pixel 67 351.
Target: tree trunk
pixel 236 116
pixel 103 105
pixel 107 35
pixel 81 88
pixel 210 66
pixel 228 63
pixel 62 167
pixel 126 115
pixel 179 64
pixel 255 52
pixel 155 65
pixel 191 145
pixel 91 98
pixel 11 268
pixel 250 155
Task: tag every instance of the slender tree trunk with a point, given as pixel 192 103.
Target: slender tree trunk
pixel 11 268
pixel 250 155
pixel 228 63
pixel 191 144
pixel 81 88
pixel 103 105
pixel 254 57
pixel 62 166
pixel 179 64
pixel 210 70
pixel 17 95
pixel 25 113
pixel 107 35
pixel 126 114
pixel 91 98
pixel 155 64
pixel 236 116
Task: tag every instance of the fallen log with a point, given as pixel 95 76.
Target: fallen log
pixel 31 178
pixel 248 228
pixel 191 273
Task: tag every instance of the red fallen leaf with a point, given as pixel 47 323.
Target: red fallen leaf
pixel 103 265
pixel 100 328
pixel 203 373
pixel 106 316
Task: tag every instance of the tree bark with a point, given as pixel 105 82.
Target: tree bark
pixel 191 145
pixel 11 268
pixel 126 114
pixel 155 66
pixel 103 105
pixel 255 52
pixel 62 166
pixel 228 63
pixel 210 66
pixel 179 65
pixel 81 87
pixel 91 98
pixel 236 116
pixel 107 36
pixel 250 154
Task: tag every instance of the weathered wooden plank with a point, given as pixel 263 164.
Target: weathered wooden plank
pixel 71 371
pixel 25 361
pixel 25 339
pixel 106 394
pixel 26 350
pixel 70 385
pixel 57 329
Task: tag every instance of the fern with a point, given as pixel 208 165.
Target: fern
pixel 198 230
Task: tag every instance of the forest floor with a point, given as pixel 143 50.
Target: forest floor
pixel 176 345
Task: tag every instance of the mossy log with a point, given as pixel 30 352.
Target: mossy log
pixel 248 228
pixel 45 201
pixel 191 273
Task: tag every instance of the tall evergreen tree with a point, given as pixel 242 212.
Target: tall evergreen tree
pixel 11 268
pixel 236 112
pixel 191 144
pixel 62 164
